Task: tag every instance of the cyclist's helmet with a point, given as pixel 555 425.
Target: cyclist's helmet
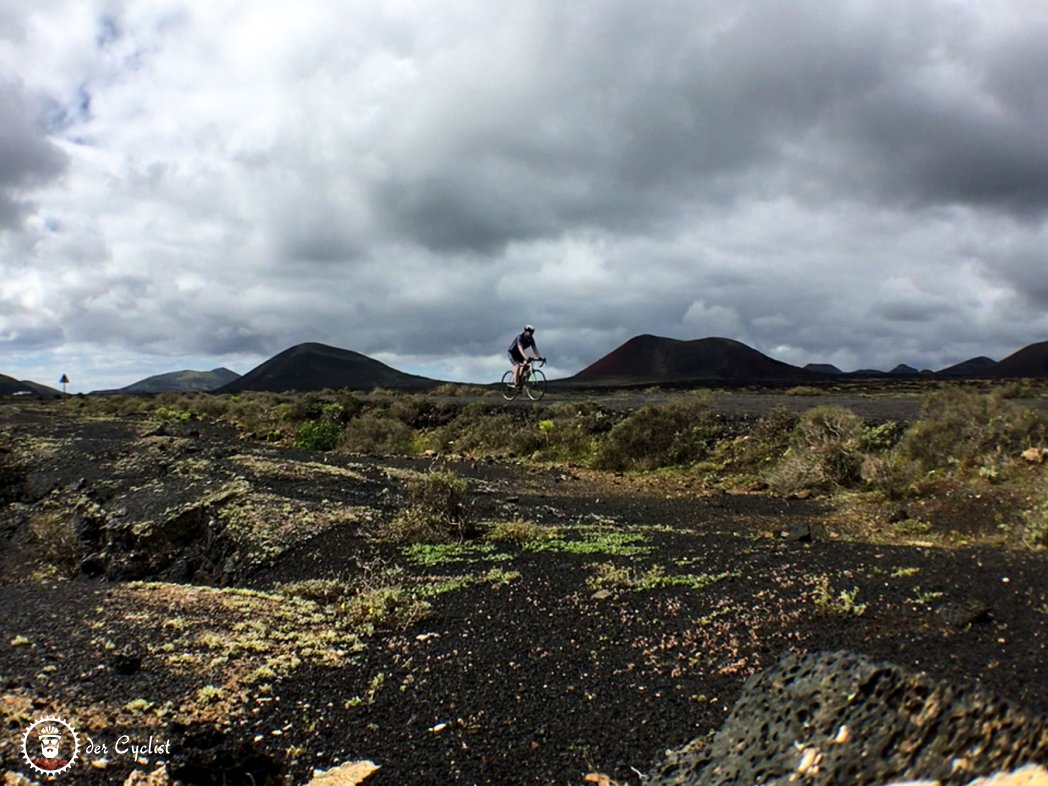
pixel 529 329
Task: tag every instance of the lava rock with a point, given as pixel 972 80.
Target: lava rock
pixel 962 613
pixel 801 533
pixel 126 661
pixel 835 718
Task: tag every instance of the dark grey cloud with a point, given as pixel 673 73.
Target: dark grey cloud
pixel 638 115
pixel 860 183
pixel 27 157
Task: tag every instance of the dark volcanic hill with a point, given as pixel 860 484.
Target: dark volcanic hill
pixel 973 367
pixel 9 386
pixel 823 368
pixel 903 370
pixel 179 382
pixel 317 366
pixel 1031 361
pixel 655 359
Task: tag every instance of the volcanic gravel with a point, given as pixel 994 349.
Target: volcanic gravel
pixel 538 679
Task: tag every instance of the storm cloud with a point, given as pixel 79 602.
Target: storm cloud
pixel 27 157
pixel 861 183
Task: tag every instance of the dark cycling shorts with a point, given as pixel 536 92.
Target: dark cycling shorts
pixel 515 356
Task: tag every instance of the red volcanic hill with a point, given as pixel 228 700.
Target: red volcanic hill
pixel 318 366
pixel 655 359
pixel 1031 361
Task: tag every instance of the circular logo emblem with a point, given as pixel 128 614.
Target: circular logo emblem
pixel 50 746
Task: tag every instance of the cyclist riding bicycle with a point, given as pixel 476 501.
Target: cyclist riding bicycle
pixel 518 351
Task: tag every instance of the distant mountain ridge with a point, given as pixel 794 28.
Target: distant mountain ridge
pixel 644 359
pixel 185 381
pixel 656 359
pixel 313 366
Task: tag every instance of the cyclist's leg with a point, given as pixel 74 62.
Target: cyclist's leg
pixel 516 360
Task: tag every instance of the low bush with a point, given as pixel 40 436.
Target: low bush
pixel 377 434
pixel 824 452
pixel 56 540
pixel 750 453
pixel 519 531
pixel 797 472
pixel 840 604
pixel 1035 527
pixel 892 474
pixel 385 607
pixel 660 435
pixel 318 436
pixel 963 430
pixel 828 427
pixel 565 433
pixel 439 508
pixel 881 437
pixel 478 430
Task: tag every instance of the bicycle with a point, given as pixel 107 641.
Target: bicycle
pixel 532 381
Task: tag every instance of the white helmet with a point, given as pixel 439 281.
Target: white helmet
pixel 529 329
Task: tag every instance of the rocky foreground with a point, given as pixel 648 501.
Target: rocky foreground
pixel 175 583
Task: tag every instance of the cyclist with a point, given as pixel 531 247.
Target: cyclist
pixel 518 351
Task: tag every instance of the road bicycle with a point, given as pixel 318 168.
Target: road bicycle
pixel 532 381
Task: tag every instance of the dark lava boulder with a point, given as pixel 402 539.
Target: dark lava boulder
pixel 834 718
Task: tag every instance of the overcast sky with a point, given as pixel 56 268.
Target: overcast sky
pixel 204 183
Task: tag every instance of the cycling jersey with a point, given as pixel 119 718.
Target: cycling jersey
pixel 523 340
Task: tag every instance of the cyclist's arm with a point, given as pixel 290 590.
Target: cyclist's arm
pixel 535 349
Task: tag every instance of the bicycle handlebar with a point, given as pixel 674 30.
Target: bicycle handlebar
pixel 542 361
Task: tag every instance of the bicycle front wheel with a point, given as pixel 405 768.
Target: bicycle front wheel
pixel 535 386
pixel 509 391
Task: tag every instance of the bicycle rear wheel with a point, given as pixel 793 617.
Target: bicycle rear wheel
pixel 535 386
pixel 509 392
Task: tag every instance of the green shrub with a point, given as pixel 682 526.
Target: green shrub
pixel 797 472
pixel 881 437
pixel 563 433
pixel 824 452
pixel 660 435
pixel 439 508
pixel 254 413
pixel 520 531
pixel 318 590
pixel 964 430
pixel 1018 388
pixel 828 427
pixel 56 540
pixel 318 436
pixel 385 607
pixel 178 415
pixel 1035 528
pixel 479 431
pixel 892 474
pixel 841 604
pixel 378 435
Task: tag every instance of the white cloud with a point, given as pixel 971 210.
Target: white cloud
pixel 844 183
